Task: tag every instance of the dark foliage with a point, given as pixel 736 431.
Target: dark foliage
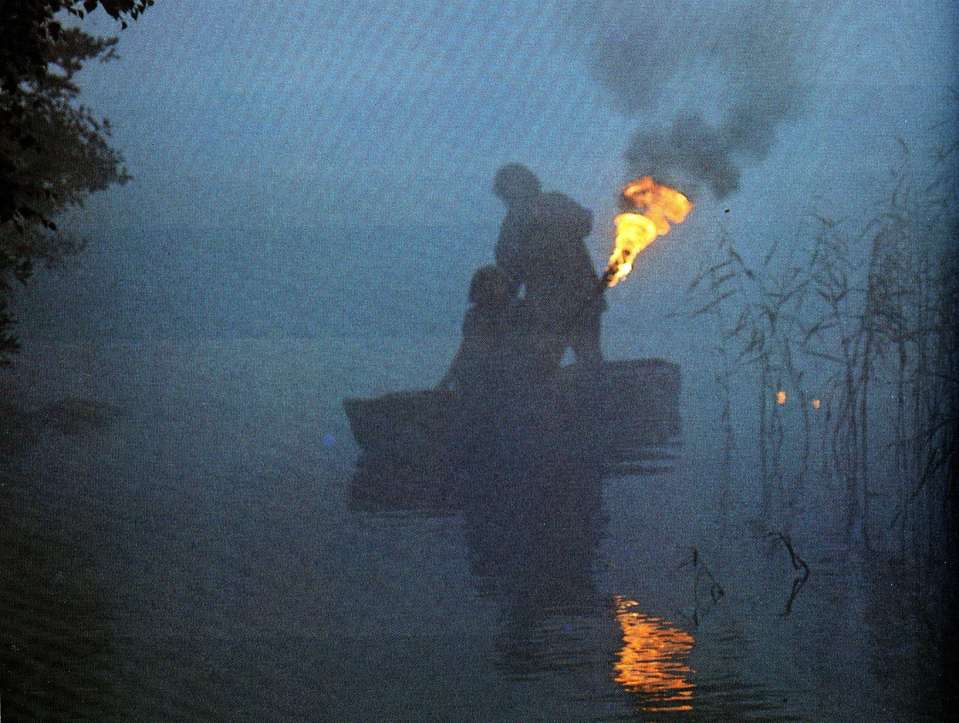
pixel 53 150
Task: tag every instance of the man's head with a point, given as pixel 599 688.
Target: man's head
pixel 515 183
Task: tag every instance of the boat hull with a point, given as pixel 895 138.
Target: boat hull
pixel 618 410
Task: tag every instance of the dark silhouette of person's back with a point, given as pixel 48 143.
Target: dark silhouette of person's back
pixel 541 248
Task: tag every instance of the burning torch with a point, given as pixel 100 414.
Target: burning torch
pixel 648 209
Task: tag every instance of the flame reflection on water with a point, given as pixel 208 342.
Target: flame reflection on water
pixel 653 658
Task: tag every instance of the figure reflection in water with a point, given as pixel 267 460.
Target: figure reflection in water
pixel 532 535
pixel 532 532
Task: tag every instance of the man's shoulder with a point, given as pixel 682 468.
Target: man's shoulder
pixel 554 207
pixel 557 200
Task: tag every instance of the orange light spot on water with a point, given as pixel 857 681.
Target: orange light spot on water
pixel 653 658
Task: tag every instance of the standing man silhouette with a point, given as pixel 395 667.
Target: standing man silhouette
pixel 542 250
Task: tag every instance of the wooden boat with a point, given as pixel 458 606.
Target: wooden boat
pixel 616 413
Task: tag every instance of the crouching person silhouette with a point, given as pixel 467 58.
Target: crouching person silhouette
pixel 502 373
pixel 490 353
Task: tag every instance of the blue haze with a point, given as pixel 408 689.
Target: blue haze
pixel 255 135
pixel 311 195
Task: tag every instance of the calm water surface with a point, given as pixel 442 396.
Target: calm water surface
pixel 193 541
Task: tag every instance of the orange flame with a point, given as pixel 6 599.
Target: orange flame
pixel 656 207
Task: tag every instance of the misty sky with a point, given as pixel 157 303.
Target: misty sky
pixel 399 112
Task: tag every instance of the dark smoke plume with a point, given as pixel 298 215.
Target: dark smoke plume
pixel 753 47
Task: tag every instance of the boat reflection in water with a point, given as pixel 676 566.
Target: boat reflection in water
pixel 652 662
pixel 532 533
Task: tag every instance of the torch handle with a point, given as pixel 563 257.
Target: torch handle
pixel 603 282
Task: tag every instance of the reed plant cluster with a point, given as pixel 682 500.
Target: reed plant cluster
pixel 849 340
